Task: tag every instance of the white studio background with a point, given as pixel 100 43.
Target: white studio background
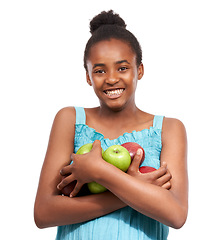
pixel 41 71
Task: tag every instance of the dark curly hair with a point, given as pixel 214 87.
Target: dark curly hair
pixel 107 25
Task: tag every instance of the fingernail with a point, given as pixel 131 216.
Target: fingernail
pixel 139 151
pixel 164 164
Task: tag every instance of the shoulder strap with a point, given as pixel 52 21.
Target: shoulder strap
pixel 80 115
pixel 158 122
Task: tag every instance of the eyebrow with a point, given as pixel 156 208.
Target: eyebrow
pixel 122 61
pixel 98 65
pixel 102 64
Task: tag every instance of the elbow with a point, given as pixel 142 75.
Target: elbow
pixel 179 219
pixel 40 216
pixel 39 223
pixel 179 223
pixel 39 219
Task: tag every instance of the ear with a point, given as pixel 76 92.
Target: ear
pixel 88 79
pixel 140 71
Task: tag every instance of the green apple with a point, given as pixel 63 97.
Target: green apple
pixel 92 186
pixel 118 156
pixel 96 187
pixel 86 148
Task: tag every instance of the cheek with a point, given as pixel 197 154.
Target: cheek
pixel 96 82
pixel 133 79
pixel 97 85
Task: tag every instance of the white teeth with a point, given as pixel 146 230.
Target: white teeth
pixel 114 92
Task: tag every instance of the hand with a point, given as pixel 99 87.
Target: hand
pixel 160 177
pixel 82 169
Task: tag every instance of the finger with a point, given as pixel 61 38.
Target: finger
pixel 160 172
pixel 65 181
pixel 97 146
pixel 77 189
pixel 164 164
pixel 164 179
pixel 96 143
pixel 136 161
pixel 65 170
pixel 167 185
pixel 71 158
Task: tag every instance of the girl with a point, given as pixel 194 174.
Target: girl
pixel 137 206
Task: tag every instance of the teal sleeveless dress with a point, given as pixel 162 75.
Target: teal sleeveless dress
pixel 125 223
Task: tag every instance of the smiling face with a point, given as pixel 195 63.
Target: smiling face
pixel 113 73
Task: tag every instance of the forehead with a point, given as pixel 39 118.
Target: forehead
pixel 112 49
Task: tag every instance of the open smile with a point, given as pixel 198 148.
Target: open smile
pixel 114 93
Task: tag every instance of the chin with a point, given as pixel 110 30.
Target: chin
pixel 115 107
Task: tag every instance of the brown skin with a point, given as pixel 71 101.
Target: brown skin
pixel 108 70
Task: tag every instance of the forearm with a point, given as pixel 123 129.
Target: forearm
pixel 61 210
pixel 151 200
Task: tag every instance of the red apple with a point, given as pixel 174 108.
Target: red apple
pixel 146 169
pixel 132 147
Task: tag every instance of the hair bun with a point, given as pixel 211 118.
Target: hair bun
pixel 106 18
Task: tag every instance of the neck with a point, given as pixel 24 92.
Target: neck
pixel 125 114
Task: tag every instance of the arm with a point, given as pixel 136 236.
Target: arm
pixel 167 206
pixel 67 210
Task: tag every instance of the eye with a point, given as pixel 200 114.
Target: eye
pixel 99 71
pixel 122 69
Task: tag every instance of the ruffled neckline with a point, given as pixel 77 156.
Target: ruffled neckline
pixel 134 132
pixel 133 136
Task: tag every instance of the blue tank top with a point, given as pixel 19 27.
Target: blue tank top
pixel 125 223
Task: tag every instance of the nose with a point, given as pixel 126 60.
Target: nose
pixel 112 78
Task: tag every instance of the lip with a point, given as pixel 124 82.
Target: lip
pixel 114 93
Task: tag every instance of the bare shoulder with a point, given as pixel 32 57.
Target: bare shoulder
pixel 66 114
pixel 64 122
pixel 61 137
pixel 170 123
pixel 173 129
